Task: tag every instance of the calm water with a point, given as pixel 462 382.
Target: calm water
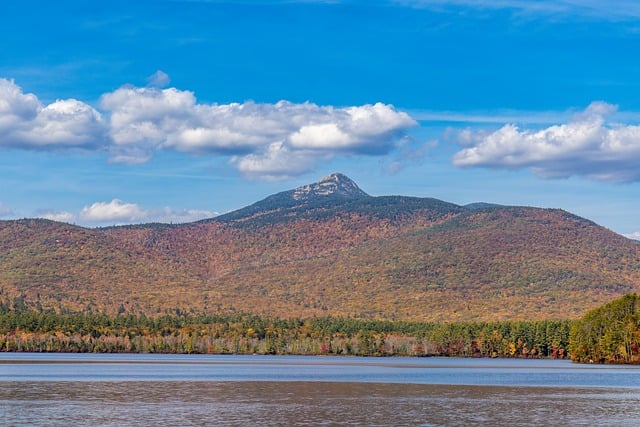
pixel 134 390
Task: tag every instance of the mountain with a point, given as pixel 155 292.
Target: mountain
pixel 328 248
pixel 332 190
pixel 334 195
pixel 334 185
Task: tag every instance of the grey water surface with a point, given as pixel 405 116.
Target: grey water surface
pixel 190 390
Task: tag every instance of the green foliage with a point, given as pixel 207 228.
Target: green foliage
pixel 608 334
pixel 85 332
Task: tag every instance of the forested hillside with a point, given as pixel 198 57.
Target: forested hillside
pixel 608 334
pixel 327 249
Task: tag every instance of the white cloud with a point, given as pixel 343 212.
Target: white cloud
pixel 258 136
pixel 158 79
pixel 26 123
pixel 117 212
pixel 62 216
pixel 141 118
pixel 633 236
pixel 15 107
pixel 365 129
pixel 587 145
pixel 276 162
pixel 281 139
pixel 491 117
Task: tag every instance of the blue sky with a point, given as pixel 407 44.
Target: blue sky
pixel 123 112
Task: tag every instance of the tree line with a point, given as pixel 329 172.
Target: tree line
pixel 608 334
pixel 29 330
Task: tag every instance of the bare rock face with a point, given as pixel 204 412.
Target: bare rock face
pixel 334 184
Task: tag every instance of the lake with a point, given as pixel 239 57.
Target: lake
pixel 195 390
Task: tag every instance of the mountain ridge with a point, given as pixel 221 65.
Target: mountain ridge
pixel 332 194
pixel 331 250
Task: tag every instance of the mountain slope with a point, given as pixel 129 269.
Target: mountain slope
pixel 333 195
pixel 328 249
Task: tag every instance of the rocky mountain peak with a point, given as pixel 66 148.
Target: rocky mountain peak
pixel 333 184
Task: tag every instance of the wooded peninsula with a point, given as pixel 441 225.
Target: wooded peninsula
pixel 609 334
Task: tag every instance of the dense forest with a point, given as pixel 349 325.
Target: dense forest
pixel 23 329
pixel 337 252
pixel 608 334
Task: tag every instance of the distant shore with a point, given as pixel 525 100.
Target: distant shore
pixel 33 331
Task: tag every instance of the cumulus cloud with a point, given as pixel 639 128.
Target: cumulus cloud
pixel 117 212
pixel 60 216
pixel 588 145
pixel 26 123
pixel 276 162
pixel 257 136
pixel 158 79
pixel 281 139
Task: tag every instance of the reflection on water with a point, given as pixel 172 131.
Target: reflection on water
pixel 182 403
